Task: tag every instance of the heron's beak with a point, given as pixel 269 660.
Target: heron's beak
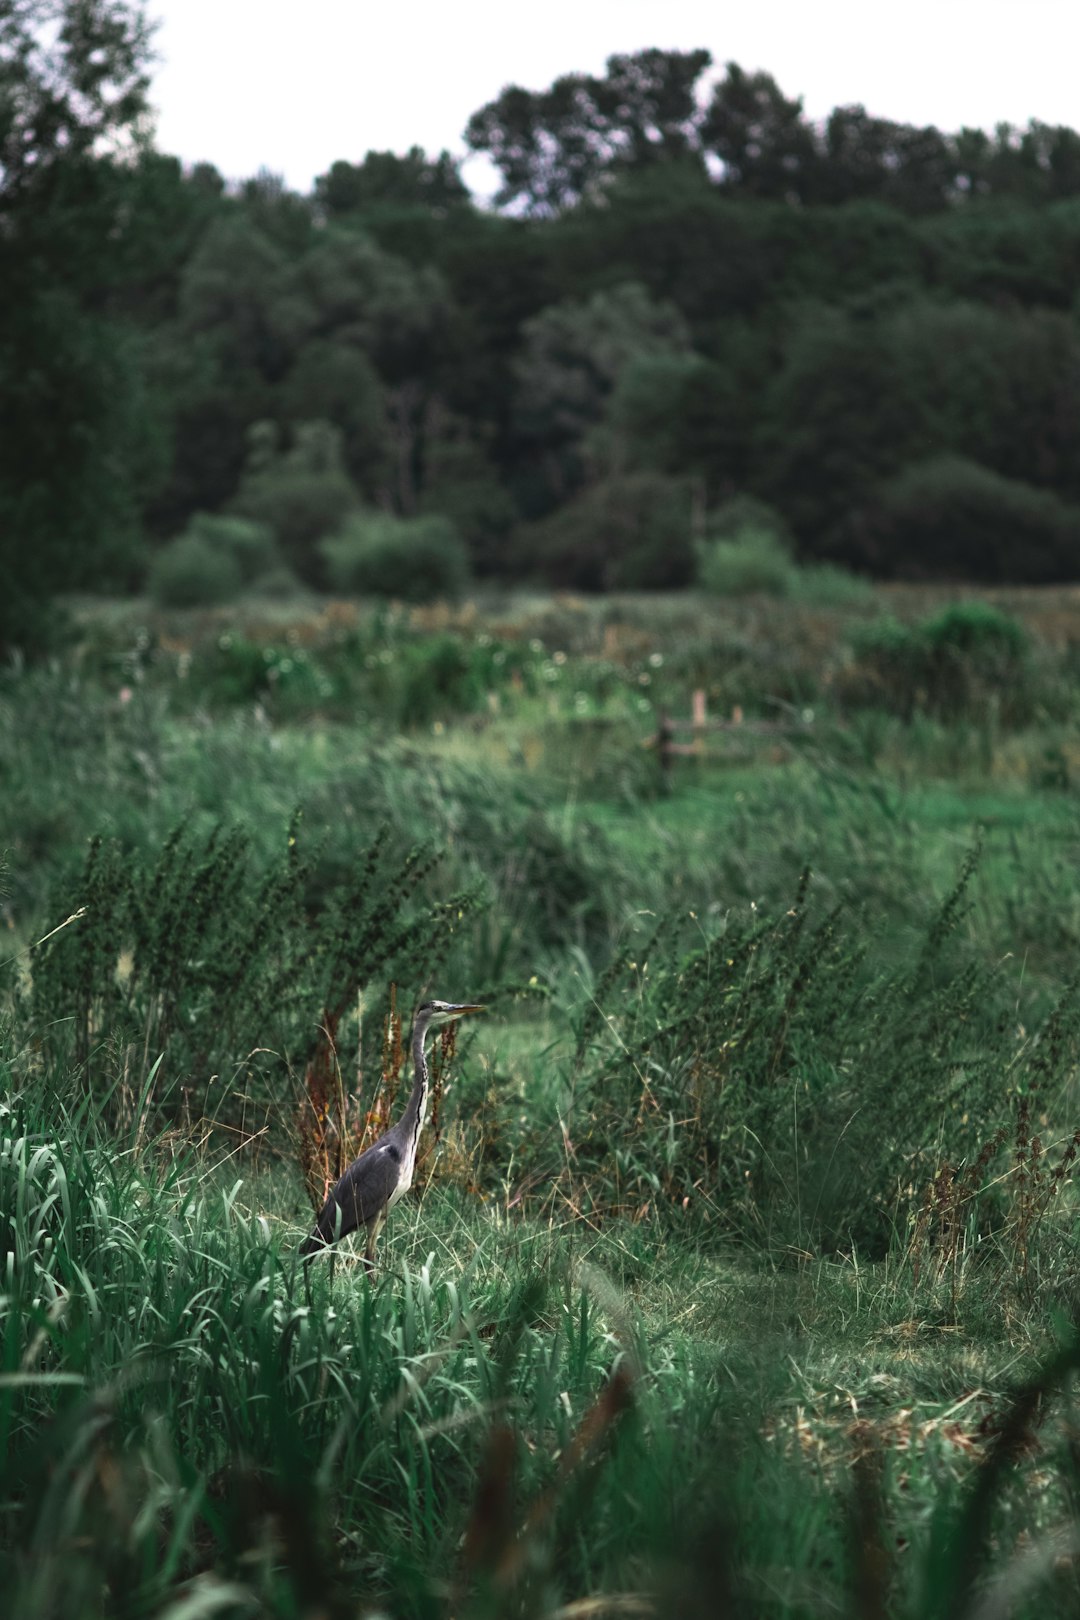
pixel 465 1007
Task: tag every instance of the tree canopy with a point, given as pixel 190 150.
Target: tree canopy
pixel 685 285
pixel 76 444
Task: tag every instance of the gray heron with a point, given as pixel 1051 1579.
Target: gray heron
pixel 374 1182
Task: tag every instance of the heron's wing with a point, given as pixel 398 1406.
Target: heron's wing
pixel 362 1193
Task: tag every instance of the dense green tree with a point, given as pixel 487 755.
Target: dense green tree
pixel 461 482
pixel 648 100
pixel 949 518
pixel 1002 387
pixel 232 341
pixel 861 395
pixel 865 157
pixel 690 283
pixel 299 490
pixel 1036 164
pixel 334 380
pixel 557 146
pixel 762 140
pixel 280 214
pixel 678 413
pixel 76 436
pixel 1015 255
pixel 417 559
pixel 644 421
pixel 236 292
pixel 384 181
pixel 347 290
pixel 74 75
pixel 835 420
pixel 572 357
pixel 330 327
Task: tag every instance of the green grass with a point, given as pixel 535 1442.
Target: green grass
pixel 752 1218
pixel 185 1424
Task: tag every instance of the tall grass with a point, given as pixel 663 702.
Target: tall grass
pixel 744 1276
pixel 186 1432
pixel 225 971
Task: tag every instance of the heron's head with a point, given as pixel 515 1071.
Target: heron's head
pixel 434 1013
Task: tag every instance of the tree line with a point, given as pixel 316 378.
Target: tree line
pixel 687 296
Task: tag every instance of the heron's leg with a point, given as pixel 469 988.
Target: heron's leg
pixel 372 1235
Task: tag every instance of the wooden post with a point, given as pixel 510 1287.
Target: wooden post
pixel 699 720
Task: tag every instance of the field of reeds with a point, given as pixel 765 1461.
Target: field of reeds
pixel 740 1274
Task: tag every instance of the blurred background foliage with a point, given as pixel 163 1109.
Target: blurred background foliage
pixel 687 292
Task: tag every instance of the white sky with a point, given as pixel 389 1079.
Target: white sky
pixel 288 86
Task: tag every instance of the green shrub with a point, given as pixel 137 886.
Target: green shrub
pixel 979 630
pixel 410 559
pixel 277 584
pixel 754 560
pixel 251 544
pixel 826 585
pixel 947 517
pixel 749 548
pixel 193 572
pixel 953 665
pixel 439 677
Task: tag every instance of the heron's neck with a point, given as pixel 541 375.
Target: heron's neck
pixel 413 1119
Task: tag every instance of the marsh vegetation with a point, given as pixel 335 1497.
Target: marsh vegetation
pixel 741 1267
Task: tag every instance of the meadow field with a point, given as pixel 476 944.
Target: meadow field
pixel 741 1272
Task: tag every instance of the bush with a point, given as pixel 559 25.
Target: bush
pixel 755 560
pixel 276 585
pixel 979 630
pixel 251 544
pixel 191 572
pixel 412 559
pixel 951 518
pixel 749 548
pixel 825 585
pixel 628 532
pixel 952 665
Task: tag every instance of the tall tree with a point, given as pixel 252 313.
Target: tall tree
pixel 386 181
pixel 556 147
pixel 866 157
pixel 573 356
pixel 73 442
pixel 761 138
pixel 73 81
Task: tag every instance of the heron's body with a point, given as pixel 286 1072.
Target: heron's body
pixel 383 1173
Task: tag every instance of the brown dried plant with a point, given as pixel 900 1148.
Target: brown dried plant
pixel 332 1126
pixel 1032 1180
